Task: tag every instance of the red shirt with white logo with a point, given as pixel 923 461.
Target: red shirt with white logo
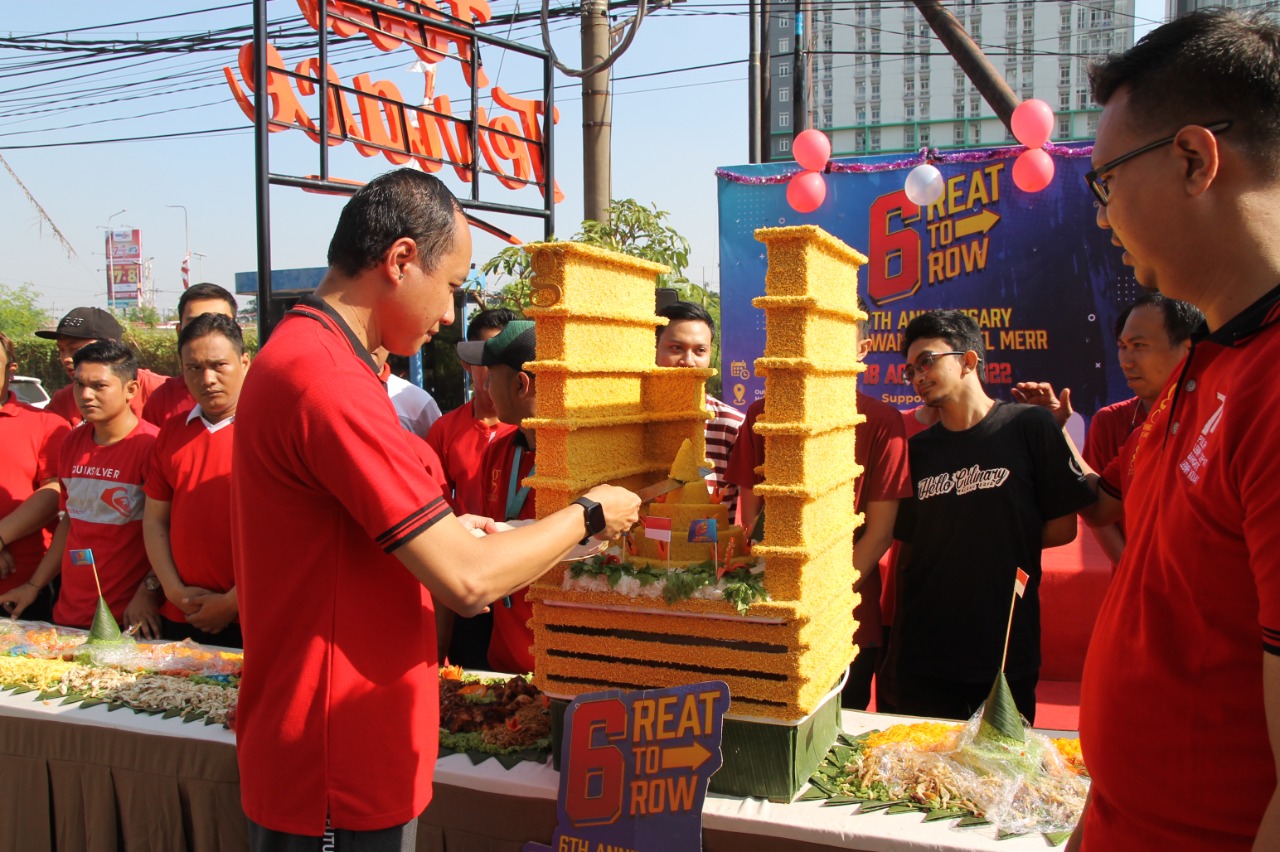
pixel 102 496
pixel 460 439
pixel 505 499
pixel 63 401
pixel 191 471
pixel 339 709
pixel 1172 705
pixel 32 441
pixel 169 399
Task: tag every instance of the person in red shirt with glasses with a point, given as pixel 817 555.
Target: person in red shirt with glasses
pixel 343 541
pixel 1187 644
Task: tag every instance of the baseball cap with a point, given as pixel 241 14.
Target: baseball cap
pixel 85 323
pixel 513 347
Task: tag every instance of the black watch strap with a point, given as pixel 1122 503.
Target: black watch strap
pixel 593 517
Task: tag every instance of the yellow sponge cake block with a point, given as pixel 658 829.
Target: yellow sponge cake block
pixel 589 282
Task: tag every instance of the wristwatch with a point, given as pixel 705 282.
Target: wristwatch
pixel 593 515
pixel 151 583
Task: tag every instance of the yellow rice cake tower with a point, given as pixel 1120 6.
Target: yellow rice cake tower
pixel 784 656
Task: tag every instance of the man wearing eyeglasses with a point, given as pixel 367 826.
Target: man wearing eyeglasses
pixel 1187 646
pixel 994 483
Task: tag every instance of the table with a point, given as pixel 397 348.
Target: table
pixel 95 780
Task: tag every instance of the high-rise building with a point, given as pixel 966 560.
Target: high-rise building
pixel 876 79
pixel 1178 8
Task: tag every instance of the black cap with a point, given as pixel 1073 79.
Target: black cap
pixel 87 324
pixel 513 347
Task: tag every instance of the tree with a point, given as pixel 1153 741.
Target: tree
pixel 20 312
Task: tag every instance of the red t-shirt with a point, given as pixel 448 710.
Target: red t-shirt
pixel 32 440
pixel 880 447
pixel 339 710
pixel 512 637
pixel 63 401
pixel 1171 703
pixel 460 439
pixel 1109 429
pixel 169 399
pixel 191 471
pixel 889 594
pixel 102 496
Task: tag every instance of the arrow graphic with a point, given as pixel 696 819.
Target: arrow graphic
pixel 691 757
pixel 979 223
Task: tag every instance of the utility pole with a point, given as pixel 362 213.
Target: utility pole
pixel 989 82
pixel 799 75
pixel 596 125
pixel 766 84
pixel 753 81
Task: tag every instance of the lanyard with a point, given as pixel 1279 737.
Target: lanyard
pixel 517 494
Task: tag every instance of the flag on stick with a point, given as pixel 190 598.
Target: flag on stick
pixel 1020 584
pixel 703 531
pixel 657 528
pixel 186 272
pixel 1019 587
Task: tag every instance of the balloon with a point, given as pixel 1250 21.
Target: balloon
pixel 811 149
pixel 924 185
pixel 1032 123
pixel 806 191
pixel 1033 170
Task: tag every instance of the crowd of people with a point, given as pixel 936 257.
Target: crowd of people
pixel 353 542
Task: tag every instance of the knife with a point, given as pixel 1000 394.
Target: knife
pixel 652 492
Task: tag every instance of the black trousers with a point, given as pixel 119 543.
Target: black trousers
pixel 398 838
pixel 921 695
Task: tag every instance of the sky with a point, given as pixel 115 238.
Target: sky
pixel 679 112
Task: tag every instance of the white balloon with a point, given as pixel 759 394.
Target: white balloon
pixel 924 185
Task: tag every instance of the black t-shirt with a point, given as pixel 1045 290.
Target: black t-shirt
pixel 982 497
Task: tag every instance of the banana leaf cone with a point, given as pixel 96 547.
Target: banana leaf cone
pixel 105 631
pixel 1001 721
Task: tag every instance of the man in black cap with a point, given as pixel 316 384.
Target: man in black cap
pixel 507 461
pixel 76 330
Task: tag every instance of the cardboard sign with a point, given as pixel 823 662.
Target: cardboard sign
pixel 635 767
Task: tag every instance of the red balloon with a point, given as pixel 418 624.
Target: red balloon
pixel 1033 170
pixel 1032 123
pixel 812 149
pixel 806 191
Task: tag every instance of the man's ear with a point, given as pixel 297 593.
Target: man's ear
pixel 131 388
pixel 525 386
pixel 402 252
pixel 1199 152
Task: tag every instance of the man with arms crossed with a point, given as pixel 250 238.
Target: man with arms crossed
pixel 343 542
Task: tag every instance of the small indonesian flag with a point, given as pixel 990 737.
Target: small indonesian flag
pixel 703 530
pixel 657 528
pixel 186 272
pixel 82 557
pixel 1020 584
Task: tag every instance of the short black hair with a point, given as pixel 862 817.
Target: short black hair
pixel 1207 66
pixel 114 354
pixel 207 324
pixel 1181 319
pixel 206 290
pixel 489 318
pixel 396 204
pixel 864 325
pixel 681 311
pixel 956 327
pixel 10 354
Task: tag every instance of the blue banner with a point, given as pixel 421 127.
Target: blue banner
pixel 1044 283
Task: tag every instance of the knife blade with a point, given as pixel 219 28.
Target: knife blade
pixel 652 492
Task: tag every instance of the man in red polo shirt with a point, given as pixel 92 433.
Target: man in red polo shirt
pixel 1187 645
pixel 460 438
pixel 880 448
pixel 343 542
pixel 102 468
pixel 32 441
pixel 188 512
pixel 172 397
pixel 76 330
pixel 507 461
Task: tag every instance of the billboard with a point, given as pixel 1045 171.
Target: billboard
pixel 1043 282
pixel 124 265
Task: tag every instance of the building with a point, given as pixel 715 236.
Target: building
pixel 875 78
pixel 1178 8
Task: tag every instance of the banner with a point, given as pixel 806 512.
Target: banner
pixel 124 264
pixel 1043 282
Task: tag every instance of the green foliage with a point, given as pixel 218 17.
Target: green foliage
pixel 20 311
pixel 742 585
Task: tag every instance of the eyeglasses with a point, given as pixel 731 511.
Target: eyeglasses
pixel 1098 184
pixel 922 365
